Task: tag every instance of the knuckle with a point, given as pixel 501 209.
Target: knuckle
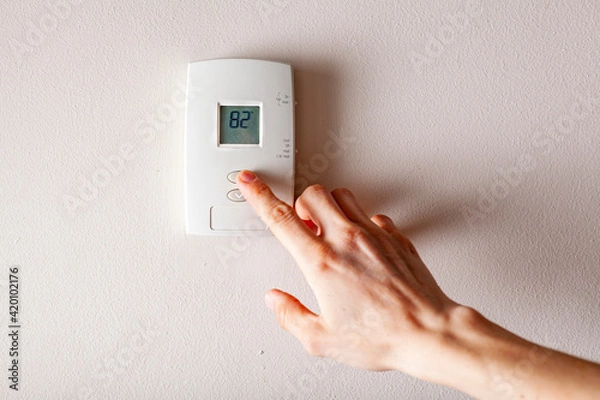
pixel 412 249
pixel 406 243
pixel 308 336
pixel 353 235
pixel 315 190
pixel 383 219
pixel 384 222
pixel 280 214
pixel 323 257
pixel 313 346
pixel 263 190
pixel 283 318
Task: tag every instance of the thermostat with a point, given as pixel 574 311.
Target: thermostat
pixel 239 115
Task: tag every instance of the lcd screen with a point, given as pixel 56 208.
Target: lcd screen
pixel 239 125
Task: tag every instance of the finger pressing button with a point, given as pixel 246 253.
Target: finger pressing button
pixel 232 176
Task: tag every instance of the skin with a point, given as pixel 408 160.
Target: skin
pixel 381 309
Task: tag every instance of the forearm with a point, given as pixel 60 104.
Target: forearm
pixel 486 361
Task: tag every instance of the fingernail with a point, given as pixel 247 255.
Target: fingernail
pixel 269 301
pixel 247 176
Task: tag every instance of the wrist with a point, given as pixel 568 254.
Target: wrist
pixel 484 360
pixel 473 344
pixel 468 352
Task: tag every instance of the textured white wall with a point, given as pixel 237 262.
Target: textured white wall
pixel 473 124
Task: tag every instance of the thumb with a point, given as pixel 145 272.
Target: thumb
pixel 295 318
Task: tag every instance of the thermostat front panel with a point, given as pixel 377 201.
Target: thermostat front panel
pixel 239 115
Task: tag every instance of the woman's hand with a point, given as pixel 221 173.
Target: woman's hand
pixel 381 309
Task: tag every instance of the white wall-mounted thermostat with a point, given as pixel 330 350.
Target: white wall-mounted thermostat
pixel 239 115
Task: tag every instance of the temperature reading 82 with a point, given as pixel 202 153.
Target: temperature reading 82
pixel 236 122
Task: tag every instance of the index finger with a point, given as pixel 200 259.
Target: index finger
pixel 280 217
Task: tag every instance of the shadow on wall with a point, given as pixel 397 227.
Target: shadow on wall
pixel 318 145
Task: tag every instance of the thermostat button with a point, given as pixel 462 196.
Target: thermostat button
pixel 235 195
pixel 232 175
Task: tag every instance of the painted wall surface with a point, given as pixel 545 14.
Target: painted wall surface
pixel 473 124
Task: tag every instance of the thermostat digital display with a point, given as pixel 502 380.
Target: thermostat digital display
pixel 239 115
pixel 239 125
